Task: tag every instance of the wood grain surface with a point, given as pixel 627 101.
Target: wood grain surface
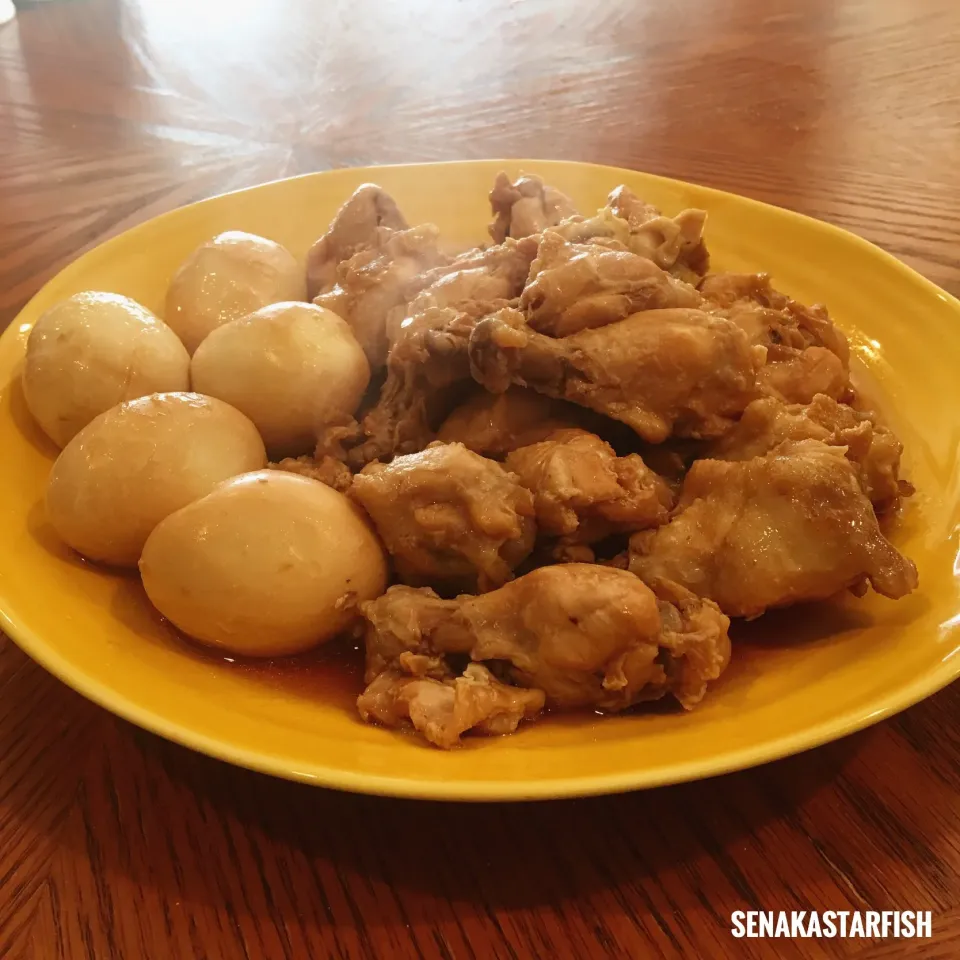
pixel 117 845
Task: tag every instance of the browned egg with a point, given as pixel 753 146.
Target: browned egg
pixel 289 367
pixel 228 277
pixel 268 564
pixel 93 351
pixel 138 462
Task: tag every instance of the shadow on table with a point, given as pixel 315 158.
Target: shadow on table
pixel 516 855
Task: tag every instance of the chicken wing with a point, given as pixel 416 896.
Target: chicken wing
pixel 355 227
pixel 577 286
pixel 443 709
pixel 660 371
pixel 806 353
pixel 584 492
pixel 790 526
pixel 585 635
pixel 767 423
pixel 525 207
pixel 449 516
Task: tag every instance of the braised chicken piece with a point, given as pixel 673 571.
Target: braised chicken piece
pixel 493 424
pixel 355 227
pixel 578 286
pixel 379 278
pixel 673 243
pixel 768 422
pixel 401 622
pixel 448 516
pixel 583 491
pixel 677 371
pixel 790 526
pixel 475 277
pixel 428 373
pixel 585 635
pixel 806 353
pixel 443 708
pixel 525 207
pixel 329 470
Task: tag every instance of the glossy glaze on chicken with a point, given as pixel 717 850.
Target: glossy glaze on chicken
pixel 586 454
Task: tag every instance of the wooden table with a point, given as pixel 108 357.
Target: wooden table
pixel 116 845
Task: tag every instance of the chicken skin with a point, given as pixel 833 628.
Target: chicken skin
pixel 525 207
pixel 428 373
pixel 768 422
pixel 806 353
pixel 355 227
pixel 476 277
pixel 584 635
pixel 448 516
pixel 661 372
pixel 578 286
pixel 790 526
pixel 584 492
pixel 377 279
pixel 674 244
pixel 442 708
pixel 493 424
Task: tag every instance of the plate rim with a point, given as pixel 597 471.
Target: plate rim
pixel 321 775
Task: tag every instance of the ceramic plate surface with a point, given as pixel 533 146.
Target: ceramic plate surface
pixel 798 678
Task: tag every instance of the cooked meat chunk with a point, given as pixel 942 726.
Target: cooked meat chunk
pixel 334 473
pixel 525 207
pixel 401 621
pixel 379 278
pixel 428 373
pixel 584 492
pixel 577 286
pixel 767 423
pixel 806 353
pixel 797 375
pixel 790 526
pixel 585 635
pixel 476 277
pixel 493 424
pixel 355 227
pixel 660 372
pixel 449 516
pixel 442 710
pixel 673 243
pixel 589 635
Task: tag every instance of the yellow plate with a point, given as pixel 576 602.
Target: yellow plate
pixel 797 679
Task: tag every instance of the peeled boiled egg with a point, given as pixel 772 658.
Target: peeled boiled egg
pixel 93 351
pixel 290 367
pixel 268 564
pixel 229 277
pixel 133 465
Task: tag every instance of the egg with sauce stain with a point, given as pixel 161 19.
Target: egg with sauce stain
pixel 228 277
pixel 140 461
pixel 290 367
pixel 268 564
pixel 93 351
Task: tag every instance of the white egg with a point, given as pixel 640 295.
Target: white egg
pixel 228 277
pixel 93 351
pixel 290 367
pixel 137 463
pixel 268 564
